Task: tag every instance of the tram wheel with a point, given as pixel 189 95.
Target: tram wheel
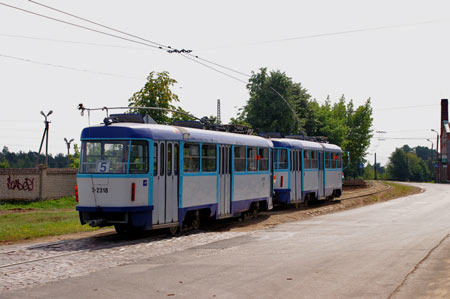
pixel 173 230
pixel 196 222
pixel 123 229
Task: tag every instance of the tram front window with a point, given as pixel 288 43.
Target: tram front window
pixel 109 156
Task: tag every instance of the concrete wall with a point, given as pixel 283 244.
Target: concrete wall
pixel 36 183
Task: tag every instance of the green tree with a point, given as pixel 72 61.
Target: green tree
pixel 332 121
pixel 417 169
pixel 357 140
pixel 398 166
pixel 270 107
pixel 157 93
pixel 4 163
pixel 75 158
pixel 415 165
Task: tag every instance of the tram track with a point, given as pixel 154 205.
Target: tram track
pixel 59 246
pixel 114 241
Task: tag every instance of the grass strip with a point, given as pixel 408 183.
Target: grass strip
pixel 67 203
pixel 23 226
pixel 399 190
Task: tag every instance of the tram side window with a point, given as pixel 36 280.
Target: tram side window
pixel 263 159
pixel 209 158
pixel 139 156
pixel 239 158
pixel 314 159
pixel 169 158
pixel 338 158
pixel 175 159
pixel 191 157
pixel 295 156
pixel 328 160
pixel 307 159
pixel 252 162
pixel 161 159
pixel 281 161
pixel 293 161
pixel 155 159
pixel 299 155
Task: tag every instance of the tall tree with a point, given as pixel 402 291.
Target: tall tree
pixel 418 165
pixel 157 93
pixel 357 141
pixel 270 107
pixel 418 170
pixel 398 166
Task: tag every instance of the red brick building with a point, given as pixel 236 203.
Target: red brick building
pixel 444 165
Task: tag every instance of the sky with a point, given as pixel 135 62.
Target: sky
pixel 393 52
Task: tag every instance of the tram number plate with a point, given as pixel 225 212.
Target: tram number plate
pixel 99 190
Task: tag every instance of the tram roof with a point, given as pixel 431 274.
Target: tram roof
pixel 331 147
pixel 165 132
pixel 304 144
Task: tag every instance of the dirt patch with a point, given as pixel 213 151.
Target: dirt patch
pixel 30 210
pixel 16 210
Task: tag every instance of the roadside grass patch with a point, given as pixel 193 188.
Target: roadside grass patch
pixel 23 226
pixel 64 203
pixel 398 190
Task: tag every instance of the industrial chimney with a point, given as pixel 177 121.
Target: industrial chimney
pixel 444 110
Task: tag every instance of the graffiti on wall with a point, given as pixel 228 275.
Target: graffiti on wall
pixel 26 185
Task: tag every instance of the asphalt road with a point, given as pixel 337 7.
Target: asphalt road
pixel 376 251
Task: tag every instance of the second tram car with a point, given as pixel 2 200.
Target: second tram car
pixel 306 170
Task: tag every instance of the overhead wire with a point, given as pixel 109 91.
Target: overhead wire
pixel 161 46
pixel 76 25
pixel 64 67
pixel 210 67
pixel 405 107
pixel 325 34
pixel 146 43
pixel 70 42
pixel 98 24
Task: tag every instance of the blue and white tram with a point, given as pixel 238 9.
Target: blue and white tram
pixel 306 170
pixel 148 176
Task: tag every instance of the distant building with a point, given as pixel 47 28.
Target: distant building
pixel 444 165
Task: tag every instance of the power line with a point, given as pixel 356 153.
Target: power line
pixel 76 25
pixel 101 25
pixel 160 46
pixel 405 107
pixel 70 42
pixel 403 138
pixel 210 67
pixel 411 130
pixel 222 66
pixel 326 34
pixel 169 49
pixel 65 67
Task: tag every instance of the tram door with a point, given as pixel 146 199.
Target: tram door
pixel 165 182
pixel 297 174
pixel 321 175
pixel 224 179
pixel 293 176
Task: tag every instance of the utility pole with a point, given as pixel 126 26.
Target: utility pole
pixel 375 166
pixel 68 145
pixel 438 170
pixel 44 136
pixel 219 121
